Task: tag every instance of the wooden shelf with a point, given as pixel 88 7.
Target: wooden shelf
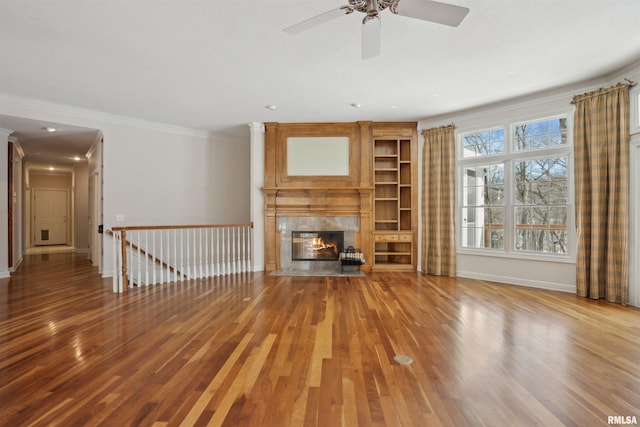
pixel 395 198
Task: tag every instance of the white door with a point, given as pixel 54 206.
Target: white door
pixel 51 216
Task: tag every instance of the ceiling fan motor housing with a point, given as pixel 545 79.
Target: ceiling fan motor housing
pixel 372 7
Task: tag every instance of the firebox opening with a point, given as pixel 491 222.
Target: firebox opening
pixel 316 245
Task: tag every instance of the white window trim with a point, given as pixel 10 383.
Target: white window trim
pixel 509 155
pixel 634 100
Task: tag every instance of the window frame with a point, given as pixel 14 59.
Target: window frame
pixel 508 159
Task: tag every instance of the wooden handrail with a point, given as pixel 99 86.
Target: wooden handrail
pixel 178 227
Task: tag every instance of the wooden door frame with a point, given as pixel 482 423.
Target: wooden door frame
pixel 10 204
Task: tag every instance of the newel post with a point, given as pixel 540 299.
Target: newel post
pixel 123 245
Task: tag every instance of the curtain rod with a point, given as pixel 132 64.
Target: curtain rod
pixel 451 125
pixel 629 83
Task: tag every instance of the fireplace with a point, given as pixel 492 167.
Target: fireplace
pixel 347 226
pixel 316 245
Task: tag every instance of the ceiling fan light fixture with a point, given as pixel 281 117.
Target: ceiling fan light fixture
pixel 425 10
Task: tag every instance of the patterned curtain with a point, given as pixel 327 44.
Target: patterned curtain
pixel 601 138
pixel 438 202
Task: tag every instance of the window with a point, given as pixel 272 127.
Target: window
pixel 515 188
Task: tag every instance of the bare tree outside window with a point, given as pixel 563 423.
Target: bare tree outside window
pixel 528 164
pixel 483 211
pixel 541 189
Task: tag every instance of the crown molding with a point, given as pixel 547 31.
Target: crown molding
pixel 256 126
pixel 107 117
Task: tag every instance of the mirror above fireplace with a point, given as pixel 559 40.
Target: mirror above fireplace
pixel 318 156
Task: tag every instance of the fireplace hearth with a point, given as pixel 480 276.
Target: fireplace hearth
pixel 316 245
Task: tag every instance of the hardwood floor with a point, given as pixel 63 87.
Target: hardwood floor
pixel 257 350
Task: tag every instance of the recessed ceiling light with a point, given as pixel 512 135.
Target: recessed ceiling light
pixel 50 129
pixel 271 107
pixel 77 158
pixel 51 168
pixel 356 105
pixel 393 107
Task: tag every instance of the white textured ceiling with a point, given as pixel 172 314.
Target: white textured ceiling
pixel 214 65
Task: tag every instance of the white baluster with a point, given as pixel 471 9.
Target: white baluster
pixel 248 250
pixel 188 257
pixel 115 276
pixel 194 257
pixel 153 265
pixel 206 252
pixel 240 231
pixel 146 258
pixel 229 250
pixel 175 254
pixel 244 249
pixel 161 256
pixel 234 250
pixel 214 251
pixel 217 251
pixel 222 252
pixel 138 243
pixel 182 270
pixel 130 269
pixel 200 266
pixel 250 247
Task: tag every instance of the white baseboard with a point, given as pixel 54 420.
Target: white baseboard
pixel 15 267
pixel 82 251
pixel 551 286
pixel 5 274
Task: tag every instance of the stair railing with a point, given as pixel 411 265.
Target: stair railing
pixel 146 255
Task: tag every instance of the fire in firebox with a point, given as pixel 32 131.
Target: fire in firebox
pixel 316 245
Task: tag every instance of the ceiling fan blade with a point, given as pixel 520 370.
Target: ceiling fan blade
pixel 316 20
pixel 371 38
pixel 433 11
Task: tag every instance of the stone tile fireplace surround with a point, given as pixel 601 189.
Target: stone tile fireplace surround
pixel 287 224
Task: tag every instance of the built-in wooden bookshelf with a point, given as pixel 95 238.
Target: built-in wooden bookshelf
pixel 395 193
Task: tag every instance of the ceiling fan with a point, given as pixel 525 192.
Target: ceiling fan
pixel 426 10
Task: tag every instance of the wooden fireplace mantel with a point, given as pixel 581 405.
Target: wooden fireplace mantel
pixel 318 201
pixel 312 202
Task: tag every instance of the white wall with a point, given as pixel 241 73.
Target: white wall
pixel 81 207
pixel 528 272
pixel 94 166
pixel 17 201
pixel 153 173
pixel 4 207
